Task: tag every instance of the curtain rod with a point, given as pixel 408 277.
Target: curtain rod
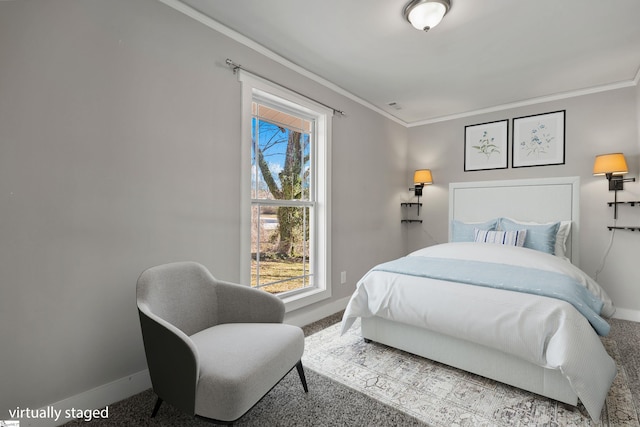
pixel 235 67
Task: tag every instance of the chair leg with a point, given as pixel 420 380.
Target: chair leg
pixel 155 408
pixel 302 377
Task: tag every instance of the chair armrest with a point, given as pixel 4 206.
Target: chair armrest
pixel 243 304
pixel 172 359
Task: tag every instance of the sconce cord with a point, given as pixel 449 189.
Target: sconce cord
pixel 606 253
pixel 433 239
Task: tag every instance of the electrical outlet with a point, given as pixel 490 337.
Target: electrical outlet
pixel 343 277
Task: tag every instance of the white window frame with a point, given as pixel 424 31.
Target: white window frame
pixel 255 86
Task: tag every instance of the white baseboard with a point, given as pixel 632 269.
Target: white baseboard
pixel 97 398
pixel 627 314
pixel 304 317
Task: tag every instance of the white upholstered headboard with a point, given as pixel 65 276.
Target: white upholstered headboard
pixel 540 200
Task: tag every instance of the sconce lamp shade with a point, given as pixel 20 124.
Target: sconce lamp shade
pixel 426 14
pixel 610 164
pixel 422 176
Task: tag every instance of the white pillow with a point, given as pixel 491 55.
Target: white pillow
pixel 507 238
pixel 561 235
pixel 561 238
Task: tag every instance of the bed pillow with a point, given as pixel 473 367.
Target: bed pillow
pixel 541 237
pixel 507 238
pixel 561 236
pixel 464 231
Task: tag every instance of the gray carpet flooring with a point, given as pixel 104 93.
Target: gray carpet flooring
pixel 627 337
pixel 329 403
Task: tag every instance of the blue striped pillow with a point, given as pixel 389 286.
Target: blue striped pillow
pixel 508 238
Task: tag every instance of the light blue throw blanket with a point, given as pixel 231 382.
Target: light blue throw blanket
pixel 507 277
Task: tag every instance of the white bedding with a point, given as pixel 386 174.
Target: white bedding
pixel 547 332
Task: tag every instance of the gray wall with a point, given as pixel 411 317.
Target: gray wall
pixel 119 130
pixel 595 124
pixel 638 109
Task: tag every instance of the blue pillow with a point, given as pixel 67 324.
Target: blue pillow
pixel 539 237
pixel 465 231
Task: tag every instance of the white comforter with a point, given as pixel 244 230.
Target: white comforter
pixel 547 332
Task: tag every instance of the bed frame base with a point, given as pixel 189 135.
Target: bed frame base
pixel 470 357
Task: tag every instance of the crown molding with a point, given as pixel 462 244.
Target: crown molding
pixel 531 101
pixel 234 35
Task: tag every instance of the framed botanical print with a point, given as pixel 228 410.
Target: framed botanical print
pixel 485 146
pixel 538 140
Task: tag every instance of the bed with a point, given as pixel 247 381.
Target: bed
pixel 507 327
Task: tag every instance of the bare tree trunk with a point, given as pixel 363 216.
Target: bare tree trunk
pixel 266 174
pixel 290 178
pixel 289 218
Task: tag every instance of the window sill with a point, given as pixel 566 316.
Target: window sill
pixel 303 299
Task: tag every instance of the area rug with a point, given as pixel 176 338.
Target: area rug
pixel 440 395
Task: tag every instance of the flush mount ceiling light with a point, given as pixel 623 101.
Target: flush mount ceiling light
pixel 426 14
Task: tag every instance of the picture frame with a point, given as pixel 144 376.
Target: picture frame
pixel 485 146
pixel 538 140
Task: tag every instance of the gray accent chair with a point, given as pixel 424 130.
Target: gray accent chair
pixel 214 348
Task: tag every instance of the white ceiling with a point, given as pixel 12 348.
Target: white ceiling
pixel 485 54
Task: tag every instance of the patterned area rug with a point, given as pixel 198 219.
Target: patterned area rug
pixel 440 395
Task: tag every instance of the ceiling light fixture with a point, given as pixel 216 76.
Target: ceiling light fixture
pixel 426 14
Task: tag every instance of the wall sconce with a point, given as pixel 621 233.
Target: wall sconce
pixel 612 166
pixel 421 177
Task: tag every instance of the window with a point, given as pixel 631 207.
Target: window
pixel 286 208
